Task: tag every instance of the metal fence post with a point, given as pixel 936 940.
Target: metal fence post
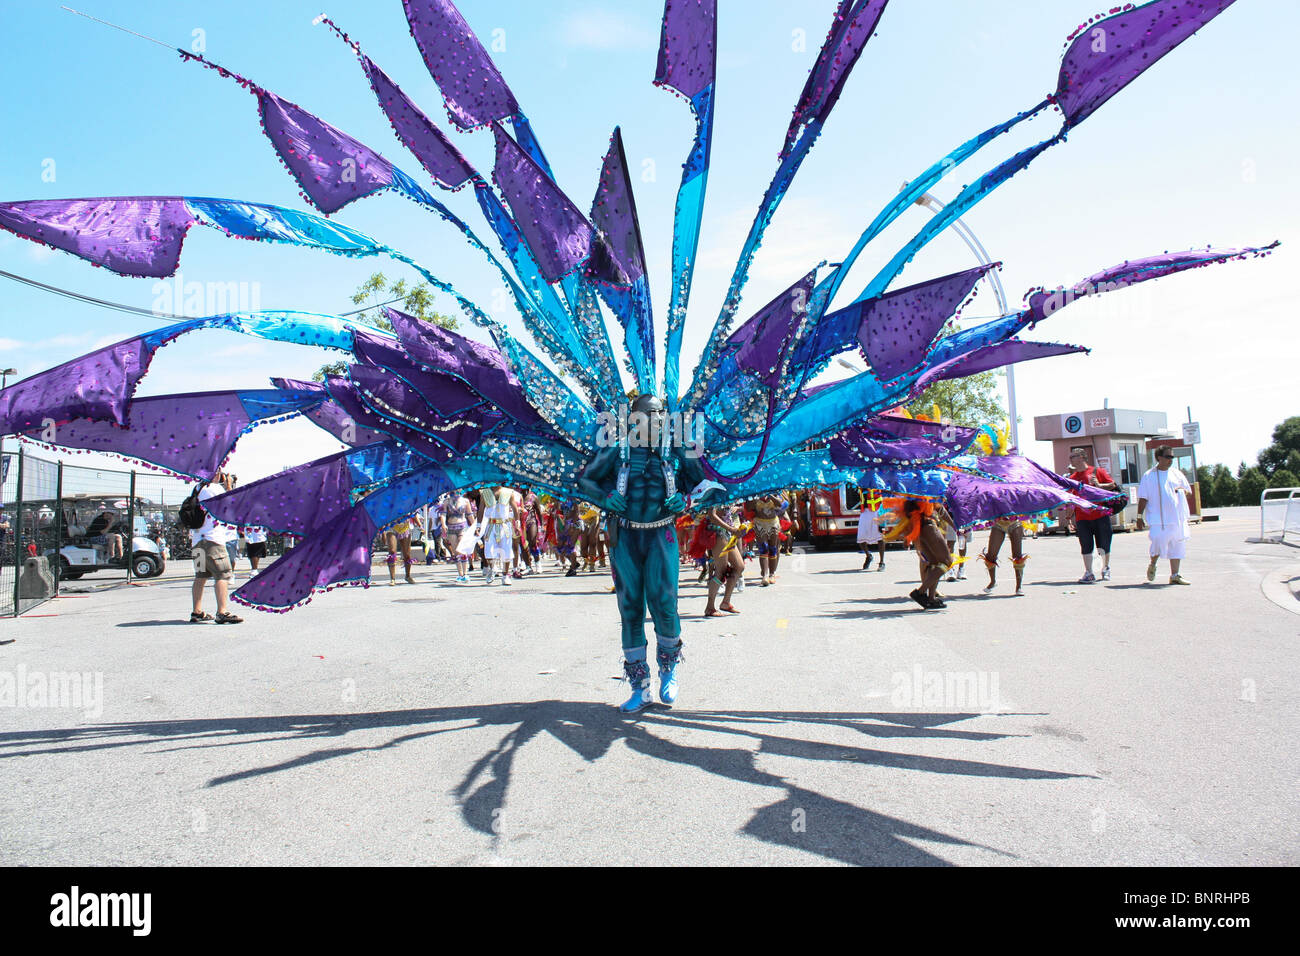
pixel 57 570
pixel 128 549
pixel 18 529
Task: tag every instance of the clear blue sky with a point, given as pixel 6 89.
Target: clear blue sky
pixel 1200 150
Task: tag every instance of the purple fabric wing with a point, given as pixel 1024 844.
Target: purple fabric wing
pixel 131 235
pixel 1043 303
pixel 557 233
pixel 389 397
pixel 189 434
pixel 332 167
pixel 1017 468
pixel 444 395
pixel 330 417
pixel 765 339
pixel 1015 486
pixel 856 448
pixel 992 356
pixel 1107 55
pixel 295 501
pixel 472 88
pixel 481 367
pixel 855 22
pixel 426 141
pixel 895 426
pixel 335 554
pixel 96 386
pixel 613 212
pixel 349 398
pixel 687 45
pixel 898 327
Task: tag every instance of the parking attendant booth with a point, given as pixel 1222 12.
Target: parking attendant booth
pixel 1118 440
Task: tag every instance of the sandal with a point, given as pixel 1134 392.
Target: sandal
pixel 225 617
pixel 714 613
pixel 728 608
pixel 197 616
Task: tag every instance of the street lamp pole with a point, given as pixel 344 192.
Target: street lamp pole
pixel 929 201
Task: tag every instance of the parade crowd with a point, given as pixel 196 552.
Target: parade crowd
pixel 504 534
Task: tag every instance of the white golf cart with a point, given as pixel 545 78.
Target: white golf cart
pixel 89 521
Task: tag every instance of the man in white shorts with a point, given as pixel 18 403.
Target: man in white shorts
pixel 1164 504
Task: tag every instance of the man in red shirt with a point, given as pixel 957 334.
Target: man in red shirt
pixel 1092 524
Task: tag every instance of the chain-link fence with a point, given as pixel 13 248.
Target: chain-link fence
pixel 28 530
pixel 61 523
pixel 159 498
pixel 10 546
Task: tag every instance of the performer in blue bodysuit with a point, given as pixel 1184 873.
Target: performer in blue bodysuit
pixel 637 481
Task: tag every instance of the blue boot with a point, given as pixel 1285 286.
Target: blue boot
pixel 638 675
pixel 668 661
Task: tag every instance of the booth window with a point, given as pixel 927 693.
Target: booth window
pixel 1129 465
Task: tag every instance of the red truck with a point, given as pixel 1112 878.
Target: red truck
pixel 831 514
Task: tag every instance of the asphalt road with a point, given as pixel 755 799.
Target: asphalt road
pixel 832 721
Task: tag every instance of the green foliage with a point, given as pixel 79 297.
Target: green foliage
pixel 1285 450
pixel 1223 488
pixel 1205 478
pixel 1282 478
pixel 416 301
pixel 1250 485
pixel 967 401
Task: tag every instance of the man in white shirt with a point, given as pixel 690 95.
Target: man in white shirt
pixel 211 559
pixel 869 535
pixel 1164 506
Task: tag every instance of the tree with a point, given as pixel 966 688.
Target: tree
pixel 1286 444
pixel 967 401
pixel 1250 485
pixel 416 301
pixel 1283 479
pixel 1223 488
pixel 1205 478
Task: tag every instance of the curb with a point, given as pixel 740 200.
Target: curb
pixel 1282 587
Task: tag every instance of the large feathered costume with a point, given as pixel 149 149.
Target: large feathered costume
pixel 425 411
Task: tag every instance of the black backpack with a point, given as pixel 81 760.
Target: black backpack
pixel 192 514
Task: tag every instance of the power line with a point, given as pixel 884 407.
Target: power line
pixel 135 310
pixel 90 299
pixel 123 29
